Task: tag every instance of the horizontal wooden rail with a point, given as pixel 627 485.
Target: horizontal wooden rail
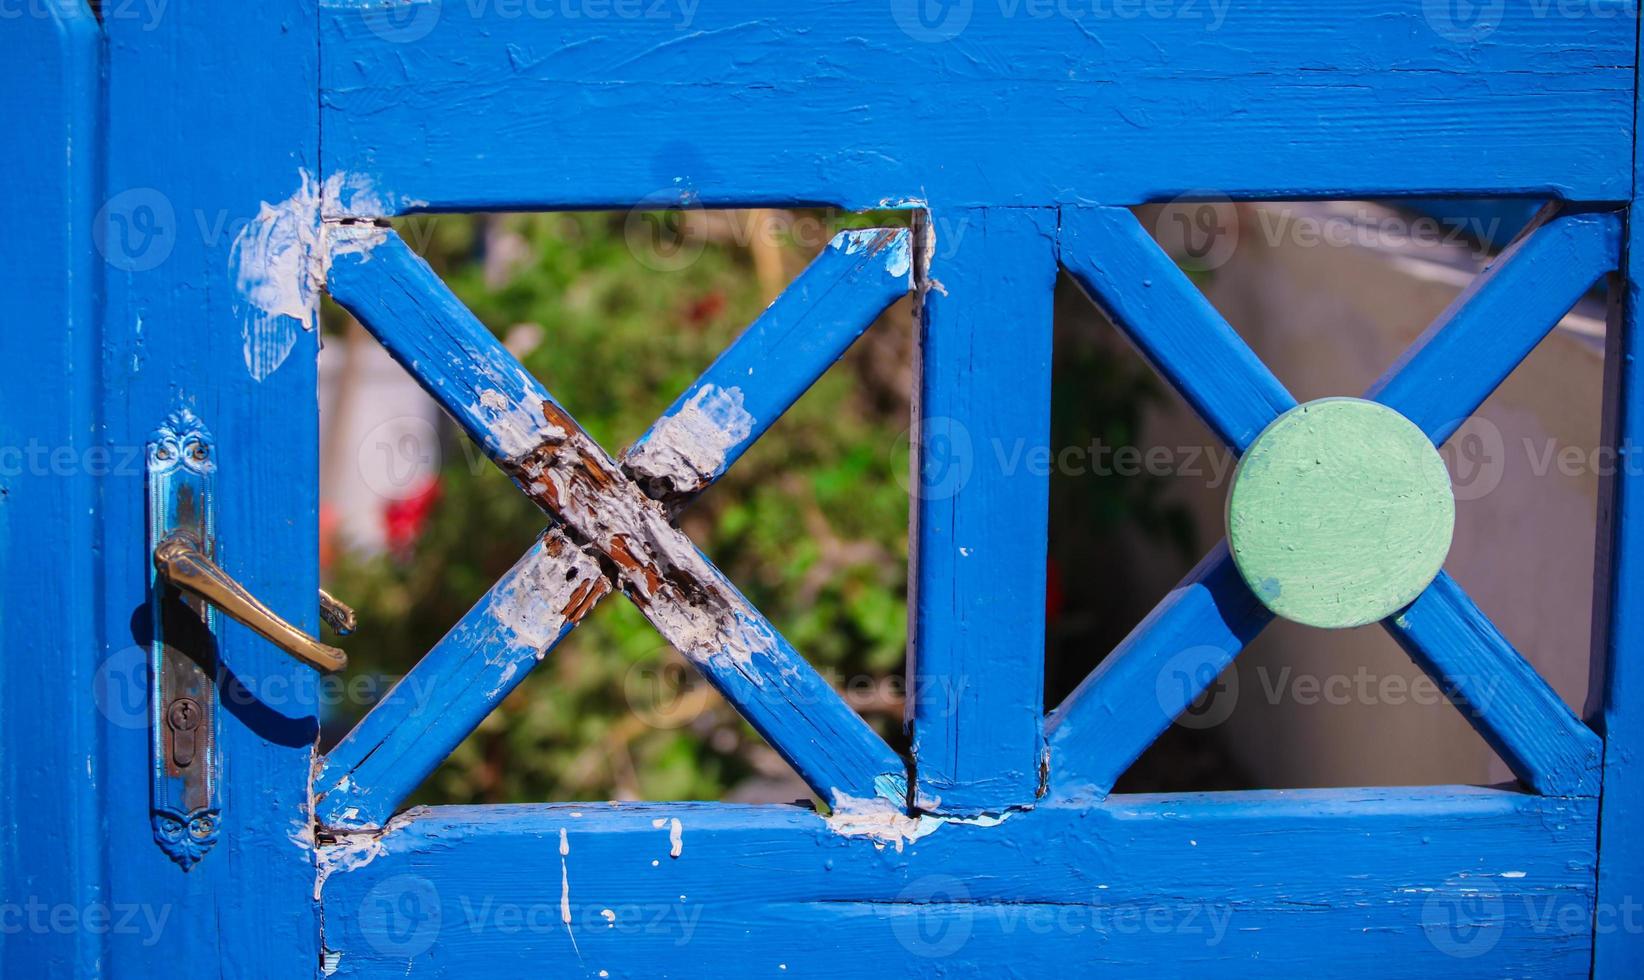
pixel 490 106
pixel 1451 881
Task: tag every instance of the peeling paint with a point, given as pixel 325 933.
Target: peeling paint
pixel 279 259
pixel 885 822
pixel 351 851
pixel 688 449
pixel 896 247
pixel 517 427
pixel 548 589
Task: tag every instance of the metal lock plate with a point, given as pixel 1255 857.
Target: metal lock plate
pixel 183 705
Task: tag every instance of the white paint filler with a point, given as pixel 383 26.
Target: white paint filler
pixel 885 822
pixel 689 448
pixel 280 257
pixel 676 834
pixel 532 599
pixel 516 426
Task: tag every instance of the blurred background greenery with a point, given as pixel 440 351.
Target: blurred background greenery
pixel 617 314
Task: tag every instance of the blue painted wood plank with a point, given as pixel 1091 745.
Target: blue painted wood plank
pixel 478 107
pixel 1499 692
pixel 457 684
pixel 1445 881
pixel 980 510
pixel 1616 692
pixel 451 690
pixel 1499 318
pixel 1151 677
pixel 212 204
pixel 775 361
pixel 466 369
pixel 51 849
pixel 1110 254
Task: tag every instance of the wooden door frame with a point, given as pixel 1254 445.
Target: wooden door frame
pixel 207 117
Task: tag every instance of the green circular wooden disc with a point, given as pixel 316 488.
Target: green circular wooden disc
pixel 1340 514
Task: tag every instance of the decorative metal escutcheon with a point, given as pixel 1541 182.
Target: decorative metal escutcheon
pixel 186 808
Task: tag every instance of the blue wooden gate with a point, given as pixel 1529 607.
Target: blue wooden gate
pixel 190 177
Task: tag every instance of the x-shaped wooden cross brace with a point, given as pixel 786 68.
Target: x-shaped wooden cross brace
pixel 612 522
pixel 1195 633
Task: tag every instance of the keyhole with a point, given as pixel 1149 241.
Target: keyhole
pixel 183 717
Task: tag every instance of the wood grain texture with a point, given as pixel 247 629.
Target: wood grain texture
pixel 1616 692
pixel 1444 881
pixel 1499 692
pixel 1499 318
pixel 1151 677
pixel 484 106
pixel 466 369
pixel 1340 513
pixel 51 848
pixel 1150 299
pixel 981 510
pixel 212 134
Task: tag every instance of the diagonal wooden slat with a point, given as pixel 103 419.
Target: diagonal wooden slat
pixel 1151 677
pixel 1499 318
pixel 1110 254
pixel 1099 730
pixel 775 361
pixel 371 771
pixel 367 775
pixel 1548 748
pixel 424 326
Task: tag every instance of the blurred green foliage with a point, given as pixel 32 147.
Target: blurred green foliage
pixel 811 524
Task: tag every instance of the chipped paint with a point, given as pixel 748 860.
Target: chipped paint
pixel 894 247
pixel 517 427
pixel 548 589
pixel 351 851
pixel 686 450
pixel 278 260
pixel 885 822
pixel 613 519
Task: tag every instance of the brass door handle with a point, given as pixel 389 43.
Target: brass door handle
pixel 181 563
